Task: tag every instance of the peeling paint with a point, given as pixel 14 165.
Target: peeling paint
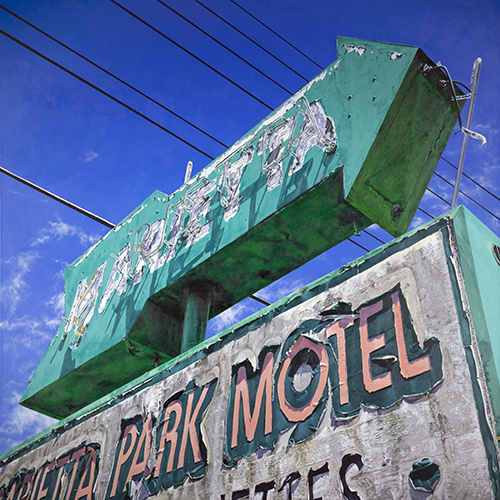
pixel 359 50
pixel 149 247
pixel 294 137
pixel 317 129
pixel 83 307
pixel 395 55
pixel 425 475
pixel 198 207
pixel 118 277
pixel 230 181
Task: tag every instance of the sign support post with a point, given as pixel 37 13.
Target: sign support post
pixel 196 314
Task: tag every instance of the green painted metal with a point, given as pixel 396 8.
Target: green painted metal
pixel 195 319
pixel 482 281
pixel 357 145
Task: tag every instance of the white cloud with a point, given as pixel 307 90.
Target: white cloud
pixel 32 335
pixel 418 221
pixel 19 423
pixel 16 287
pixel 229 317
pixel 281 288
pixel 487 128
pixel 60 229
pixel 89 156
pixel 56 303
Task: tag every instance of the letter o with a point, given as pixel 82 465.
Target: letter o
pixel 299 414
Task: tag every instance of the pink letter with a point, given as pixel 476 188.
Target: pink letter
pixel 136 467
pixel 174 406
pixel 408 368
pixel 338 328
pixel 241 394
pixel 27 482
pixel 43 491
pixel 368 345
pixel 298 414
pixel 131 431
pixel 87 490
pixel 189 426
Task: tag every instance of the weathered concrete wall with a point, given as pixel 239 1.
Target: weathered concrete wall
pixel 340 389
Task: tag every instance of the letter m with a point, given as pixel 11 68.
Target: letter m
pixel 261 379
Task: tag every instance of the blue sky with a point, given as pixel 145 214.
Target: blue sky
pixel 68 138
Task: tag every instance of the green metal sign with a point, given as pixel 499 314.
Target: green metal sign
pixel 357 145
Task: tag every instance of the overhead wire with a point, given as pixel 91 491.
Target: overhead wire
pixel 109 224
pixel 224 46
pixel 199 59
pixel 113 98
pixel 114 76
pixel 467 196
pixel 426 213
pixel 253 41
pixel 55 197
pixel 439 66
pixel 437 195
pixel 472 180
pixel 275 33
pixel 175 114
pixel 359 245
pixel 82 211
pixel 195 126
pixel 190 123
pixel 374 237
pixel 237 55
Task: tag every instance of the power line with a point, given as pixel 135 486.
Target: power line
pixel 357 244
pixel 159 104
pixel 467 196
pixel 106 94
pixel 440 197
pixel 252 40
pixel 471 179
pixel 426 213
pixel 131 109
pixel 374 237
pixel 192 55
pixel 225 46
pixel 109 224
pixel 258 299
pixel 113 76
pixel 234 53
pixel 278 35
pixel 80 210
